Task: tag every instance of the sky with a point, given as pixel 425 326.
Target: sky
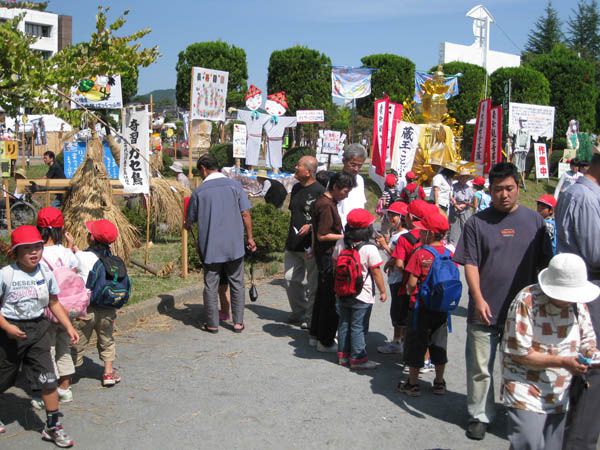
pixel 345 30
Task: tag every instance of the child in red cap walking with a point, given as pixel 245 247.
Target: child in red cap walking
pixel 26 288
pixel 389 196
pixel 101 319
pixel 412 191
pixel 545 206
pixel 355 311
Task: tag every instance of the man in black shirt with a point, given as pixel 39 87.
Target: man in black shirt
pixel 299 260
pixel 55 171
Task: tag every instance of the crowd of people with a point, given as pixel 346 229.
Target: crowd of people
pixel 532 280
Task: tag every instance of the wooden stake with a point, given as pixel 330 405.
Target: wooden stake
pixel 184 243
pixel 7 205
pixel 148 207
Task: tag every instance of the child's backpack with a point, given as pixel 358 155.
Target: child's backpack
pixel 73 294
pixel 441 290
pixel 347 279
pixel 408 195
pixel 109 282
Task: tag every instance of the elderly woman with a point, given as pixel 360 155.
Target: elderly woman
pixel 460 204
pixel 547 329
pixel 353 160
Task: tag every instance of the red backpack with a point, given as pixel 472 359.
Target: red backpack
pixel 347 279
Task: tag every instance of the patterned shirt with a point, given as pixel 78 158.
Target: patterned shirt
pixel 533 323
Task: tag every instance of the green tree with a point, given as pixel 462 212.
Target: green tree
pixel 129 84
pixel 527 85
pixel 217 55
pixel 471 85
pixel 546 32
pixel 584 27
pixel 395 76
pixel 572 87
pixel 304 75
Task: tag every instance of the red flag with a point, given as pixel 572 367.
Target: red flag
pixel 380 134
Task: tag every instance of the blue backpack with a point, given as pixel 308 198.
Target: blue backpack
pixel 441 290
pixel 109 282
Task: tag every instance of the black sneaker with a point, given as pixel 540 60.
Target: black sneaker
pixel 476 430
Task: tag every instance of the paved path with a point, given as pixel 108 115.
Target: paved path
pixel 263 389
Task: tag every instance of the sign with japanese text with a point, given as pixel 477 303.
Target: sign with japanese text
pixel 330 144
pixel 537 119
pixel 209 94
pixel 99 92
pixel 310 115
pixel 239 140
pixel 134 171
pixel 405 147
pixel 494 154
pixel 9 149
pixel 74 155
pixel 482 132
pixel 541 161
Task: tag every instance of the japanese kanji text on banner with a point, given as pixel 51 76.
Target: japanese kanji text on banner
pixel 405 147
pixel 541 161
pixel 134 171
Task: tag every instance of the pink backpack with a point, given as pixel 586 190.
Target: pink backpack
pixel 73 295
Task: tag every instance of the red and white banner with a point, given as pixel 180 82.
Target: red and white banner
pixel 541 161
pixel 386 117
pixel 494 154
pixel 482 131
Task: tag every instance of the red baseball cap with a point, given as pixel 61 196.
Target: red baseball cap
pixel 410 175
pixel 24 235
pixel 360 218
pixel 390 180
pixel 418 208
pixel 398 208
pixel 103 231
pixel 436 223
pixel 479 181
pixel 50 218
pixel 547 199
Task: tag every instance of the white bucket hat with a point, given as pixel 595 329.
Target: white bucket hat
pixel 176 167
pixel 565 279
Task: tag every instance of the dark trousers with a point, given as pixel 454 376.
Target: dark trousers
pixel 583 426
pixel 234 273
pixel 324 321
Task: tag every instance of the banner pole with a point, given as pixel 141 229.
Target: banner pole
pixel 353 120
pixel 148 207
pixel 190 175
pixel 184 242
pixel 7 206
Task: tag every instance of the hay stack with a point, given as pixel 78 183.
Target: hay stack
pixel 91 198
pixel 167 203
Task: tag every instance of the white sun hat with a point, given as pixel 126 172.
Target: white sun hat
pixel 565 279
pixel 176 167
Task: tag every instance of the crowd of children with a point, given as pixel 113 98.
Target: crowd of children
pixel 52 297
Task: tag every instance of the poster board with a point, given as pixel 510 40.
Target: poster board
pixel 540 119
pixel 541 161
pixel 99 92
pixel 74 154
pixel 310 116
pixel 239 140
pixel 208 94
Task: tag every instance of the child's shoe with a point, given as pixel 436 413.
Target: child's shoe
pixel 391 347
pixel 37 403
pixel 363 364
pixel 439 388
pixel 65 396
pixel 343 359
pixel 428 367
pixel 57 435
pixel 412 390
pixel 110 379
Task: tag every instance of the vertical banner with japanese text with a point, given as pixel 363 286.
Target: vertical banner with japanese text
pixel 482 131
pixel 494 153
pixel 394 117
pixel 380 134
pixel 405 143
pixel 541 161
pixel 134 170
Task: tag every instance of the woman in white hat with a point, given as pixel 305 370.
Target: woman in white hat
pixel 548 328
pixel 181 178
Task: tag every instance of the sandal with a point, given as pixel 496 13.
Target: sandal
pixel 412 390
pixel 439 388
pixel 204 327
pixel 240 329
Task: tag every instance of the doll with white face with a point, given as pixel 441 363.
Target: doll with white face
pixel 276 104
pixel 253 98
pixel 254 121
pixel 275 128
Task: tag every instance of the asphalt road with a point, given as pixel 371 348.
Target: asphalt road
pixel 263 389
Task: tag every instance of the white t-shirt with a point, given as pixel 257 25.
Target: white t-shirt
pixel 445 190
pixel 356 199
pixel 396 275
pixel 86 261
pixel 53 253
pixel 369 258
pixel 27 294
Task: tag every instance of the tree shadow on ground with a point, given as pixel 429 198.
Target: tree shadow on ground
pixel 18 409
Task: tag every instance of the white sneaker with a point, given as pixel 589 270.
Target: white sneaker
pixel 65 396
pixel 37 403
pixel 333 348
pixel 312 341
pixel 367 365
pixel 391 347
pixel 428 367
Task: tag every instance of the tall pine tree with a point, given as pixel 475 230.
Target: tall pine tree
pixel 546 32
pixel 584 30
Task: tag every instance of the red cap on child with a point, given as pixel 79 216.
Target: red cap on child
pixel 479 181
pixel 24 235
pixel 390 180
pixel 360 218
pixel 398 208
pixel 418 208
pixel 410 175
pixel 436 223
pixel 547 199
pixel 50 218
pixel 103 231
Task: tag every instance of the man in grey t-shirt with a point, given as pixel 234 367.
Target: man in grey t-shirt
pixel 222 210
pixel 502 248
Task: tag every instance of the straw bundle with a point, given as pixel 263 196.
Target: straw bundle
pixel 167 204
pixel 91 198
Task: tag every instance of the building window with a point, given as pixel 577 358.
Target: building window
pixel 35 29
pixel 45 53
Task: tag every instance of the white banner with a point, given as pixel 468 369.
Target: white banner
pixel 539 119
pixel 310 115
pixel 239 140
pixel 350 82
pixel 134 170
pixel 99 92
pixel 209 94
pixel 541 161
pixel 405 147
pixel 482 131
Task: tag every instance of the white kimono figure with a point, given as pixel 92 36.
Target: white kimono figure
pixel 275 128
pixel 254 121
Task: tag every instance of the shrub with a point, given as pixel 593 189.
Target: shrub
pixel 527 85
pixel 194 262
pixel 136 217
pixel 223 153
pixel 293 155
pixel 270 227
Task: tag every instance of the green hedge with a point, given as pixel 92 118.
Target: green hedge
pixel 270 227
pixel 293 155
pixel 223 153
pixel 527 85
